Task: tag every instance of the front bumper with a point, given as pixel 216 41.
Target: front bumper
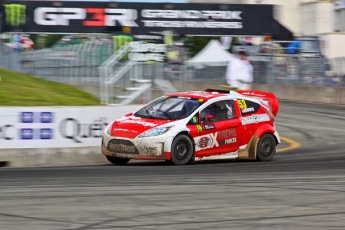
pixel 149 148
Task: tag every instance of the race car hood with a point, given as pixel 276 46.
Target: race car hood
pixel 132 126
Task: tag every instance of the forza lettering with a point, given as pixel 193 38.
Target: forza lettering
pixel 4 132
pixel 53 16
pixel 70 128
pixel 231 140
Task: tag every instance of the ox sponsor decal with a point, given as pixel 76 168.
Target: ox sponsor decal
pixel 209 126
pixel 200 100
pixel 206 141
pixel 254 119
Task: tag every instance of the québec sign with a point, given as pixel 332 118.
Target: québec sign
pixel 55 127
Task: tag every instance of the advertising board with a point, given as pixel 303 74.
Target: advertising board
pixel 53 127
pixel 142 18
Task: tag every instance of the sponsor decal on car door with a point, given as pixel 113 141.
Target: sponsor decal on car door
pixel 214 138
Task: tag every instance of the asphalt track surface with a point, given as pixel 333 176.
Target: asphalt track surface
pixel 302 188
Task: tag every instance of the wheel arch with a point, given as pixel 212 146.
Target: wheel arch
pixel 185 132
pixel 250 151
pixel 267 128
pixel 190 137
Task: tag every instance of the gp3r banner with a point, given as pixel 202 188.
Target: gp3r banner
pixel 142 18
pixel 51 127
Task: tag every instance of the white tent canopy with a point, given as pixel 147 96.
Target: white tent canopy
pixel 212 55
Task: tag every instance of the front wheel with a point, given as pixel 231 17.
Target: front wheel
pixel 182 150
pixel 266 147
pixel 118 160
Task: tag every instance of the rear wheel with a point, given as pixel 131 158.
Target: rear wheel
pixel 182 150
pixel 266 148
pixel 118 160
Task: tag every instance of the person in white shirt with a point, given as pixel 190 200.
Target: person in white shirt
pixel 239 73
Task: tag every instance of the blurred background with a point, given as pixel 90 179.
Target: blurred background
pixel 290 43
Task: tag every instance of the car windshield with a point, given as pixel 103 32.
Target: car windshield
pixel 169 108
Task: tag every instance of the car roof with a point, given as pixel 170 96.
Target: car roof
pixel 199 95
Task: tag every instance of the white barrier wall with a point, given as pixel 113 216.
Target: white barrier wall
pixel 56 127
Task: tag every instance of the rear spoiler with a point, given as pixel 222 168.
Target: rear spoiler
pixel 264 96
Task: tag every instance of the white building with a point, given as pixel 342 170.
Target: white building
pixel 323 18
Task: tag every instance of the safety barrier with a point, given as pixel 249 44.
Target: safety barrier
pixel 36 136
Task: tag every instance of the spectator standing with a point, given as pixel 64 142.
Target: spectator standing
pixel 239 73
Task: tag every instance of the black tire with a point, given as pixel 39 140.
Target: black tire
pixel 266 147
pixel 118 160
pixel 182 150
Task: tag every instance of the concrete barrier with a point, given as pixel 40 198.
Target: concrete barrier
pixel 312 94
pixel 52 157
pixel 328 95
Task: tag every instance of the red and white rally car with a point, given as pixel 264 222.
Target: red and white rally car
pixel 187 126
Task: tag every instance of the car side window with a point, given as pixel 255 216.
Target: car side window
pixel 218 111
pixel 248 107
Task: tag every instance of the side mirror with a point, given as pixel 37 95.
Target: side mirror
pixel 209 117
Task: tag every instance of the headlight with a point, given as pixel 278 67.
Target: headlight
pixel 108 128
pixel 155 131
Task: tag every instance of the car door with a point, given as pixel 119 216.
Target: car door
pixel 215 129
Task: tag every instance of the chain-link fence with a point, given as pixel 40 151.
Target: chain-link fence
pixel 73 64
pixel 78 64
pixel 336 73
pixel 9 59
pixel 268 69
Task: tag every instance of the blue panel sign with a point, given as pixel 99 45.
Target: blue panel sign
pixel 46 134
pixel 26 134
pixel 27 117
pixel 36 117
pixel 46 117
